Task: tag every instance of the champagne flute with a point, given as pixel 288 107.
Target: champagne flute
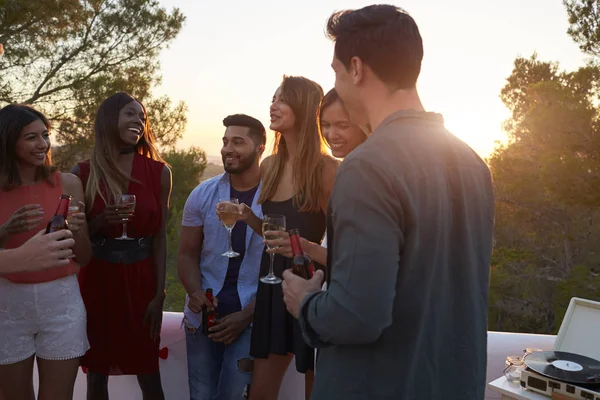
pixel 229 213
pixel 272 222
pixel 127 201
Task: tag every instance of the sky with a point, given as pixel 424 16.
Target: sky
pixel 230 58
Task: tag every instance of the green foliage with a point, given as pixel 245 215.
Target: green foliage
pixel 187 166
pixel 547 185
pixel 581 283
pixel 26 26
pixel 584 20
pixel 66 56
pixel 92 49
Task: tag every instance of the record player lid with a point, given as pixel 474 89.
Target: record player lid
pixel 579 329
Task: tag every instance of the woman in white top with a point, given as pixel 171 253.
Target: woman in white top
pixel 342 136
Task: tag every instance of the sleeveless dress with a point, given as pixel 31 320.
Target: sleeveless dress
pixel 117 295
pixel 274 329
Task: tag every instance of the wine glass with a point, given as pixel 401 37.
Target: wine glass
pixel 127 201
pixel 72 210
pixel 229 213
pixel 272 222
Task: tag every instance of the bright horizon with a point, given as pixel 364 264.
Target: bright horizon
pixel 231 59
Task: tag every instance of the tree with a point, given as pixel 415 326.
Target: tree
pixel 547 194
pixel 89 50
pixel 105 42
pixel 584 20
pixel 26 26
pixel 187 167
pixel 66 56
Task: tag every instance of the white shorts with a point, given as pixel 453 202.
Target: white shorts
pixel 46 319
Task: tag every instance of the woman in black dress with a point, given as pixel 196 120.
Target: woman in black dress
pixel 297 180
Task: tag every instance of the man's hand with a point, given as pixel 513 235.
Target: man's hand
pixel 47 251
pixel 229 328
pixel 295 289
pixel 198 301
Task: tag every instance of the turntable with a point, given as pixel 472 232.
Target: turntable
pixel 565 373
pixel 572 369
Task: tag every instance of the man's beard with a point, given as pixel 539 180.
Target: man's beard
pixel 244 164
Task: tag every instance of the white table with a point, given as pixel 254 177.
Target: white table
pixel 511 390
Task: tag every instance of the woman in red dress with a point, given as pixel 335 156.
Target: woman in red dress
pixel 123 285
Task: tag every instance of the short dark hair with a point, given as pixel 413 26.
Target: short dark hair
pixel 384 37
pixel 13 119
pixel 257 131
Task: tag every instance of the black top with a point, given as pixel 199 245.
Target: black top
pixel 275 330
pixel 410 230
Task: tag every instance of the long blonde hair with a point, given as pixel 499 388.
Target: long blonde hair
pixel 106 178
pixel 304 97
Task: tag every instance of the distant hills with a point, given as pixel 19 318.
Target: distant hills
pixel 212 169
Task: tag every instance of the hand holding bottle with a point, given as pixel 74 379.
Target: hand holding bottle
pixel 198 301
pixel 295 289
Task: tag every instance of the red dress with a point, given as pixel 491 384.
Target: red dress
pixel 116 296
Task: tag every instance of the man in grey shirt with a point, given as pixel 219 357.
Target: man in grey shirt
pixel 410 227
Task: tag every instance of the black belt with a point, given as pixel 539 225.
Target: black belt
pixel 122 251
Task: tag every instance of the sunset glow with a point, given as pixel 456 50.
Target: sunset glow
pixel 231 58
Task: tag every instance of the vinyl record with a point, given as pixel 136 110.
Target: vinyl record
pixel 563 366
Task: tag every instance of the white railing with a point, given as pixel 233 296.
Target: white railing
pixel 174 368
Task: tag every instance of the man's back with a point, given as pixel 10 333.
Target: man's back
pixel 438 198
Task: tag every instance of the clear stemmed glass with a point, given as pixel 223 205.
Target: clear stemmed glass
pixel 126 201
pixel 72 210
pixel 272 222
pixel 229 213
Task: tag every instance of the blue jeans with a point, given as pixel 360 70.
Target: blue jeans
pixel 213 371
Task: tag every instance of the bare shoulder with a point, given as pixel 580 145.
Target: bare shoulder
pixel 330 166
pixel 70 180
pixel 330 162
pixel 71 185
pixel 264 165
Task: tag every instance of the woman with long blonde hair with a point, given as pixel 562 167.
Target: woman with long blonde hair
pixel 297 180
pixel 342 136
pixel 123 285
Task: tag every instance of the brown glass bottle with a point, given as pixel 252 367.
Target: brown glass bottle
pixel 59 220
pixel 302 264
pixel 208 317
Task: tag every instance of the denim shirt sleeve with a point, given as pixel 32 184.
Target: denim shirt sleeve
pixel 193 214
pixel 358 304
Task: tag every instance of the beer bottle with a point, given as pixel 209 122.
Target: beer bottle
pixel 302 264
pixel 59 220
pixel 208 317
